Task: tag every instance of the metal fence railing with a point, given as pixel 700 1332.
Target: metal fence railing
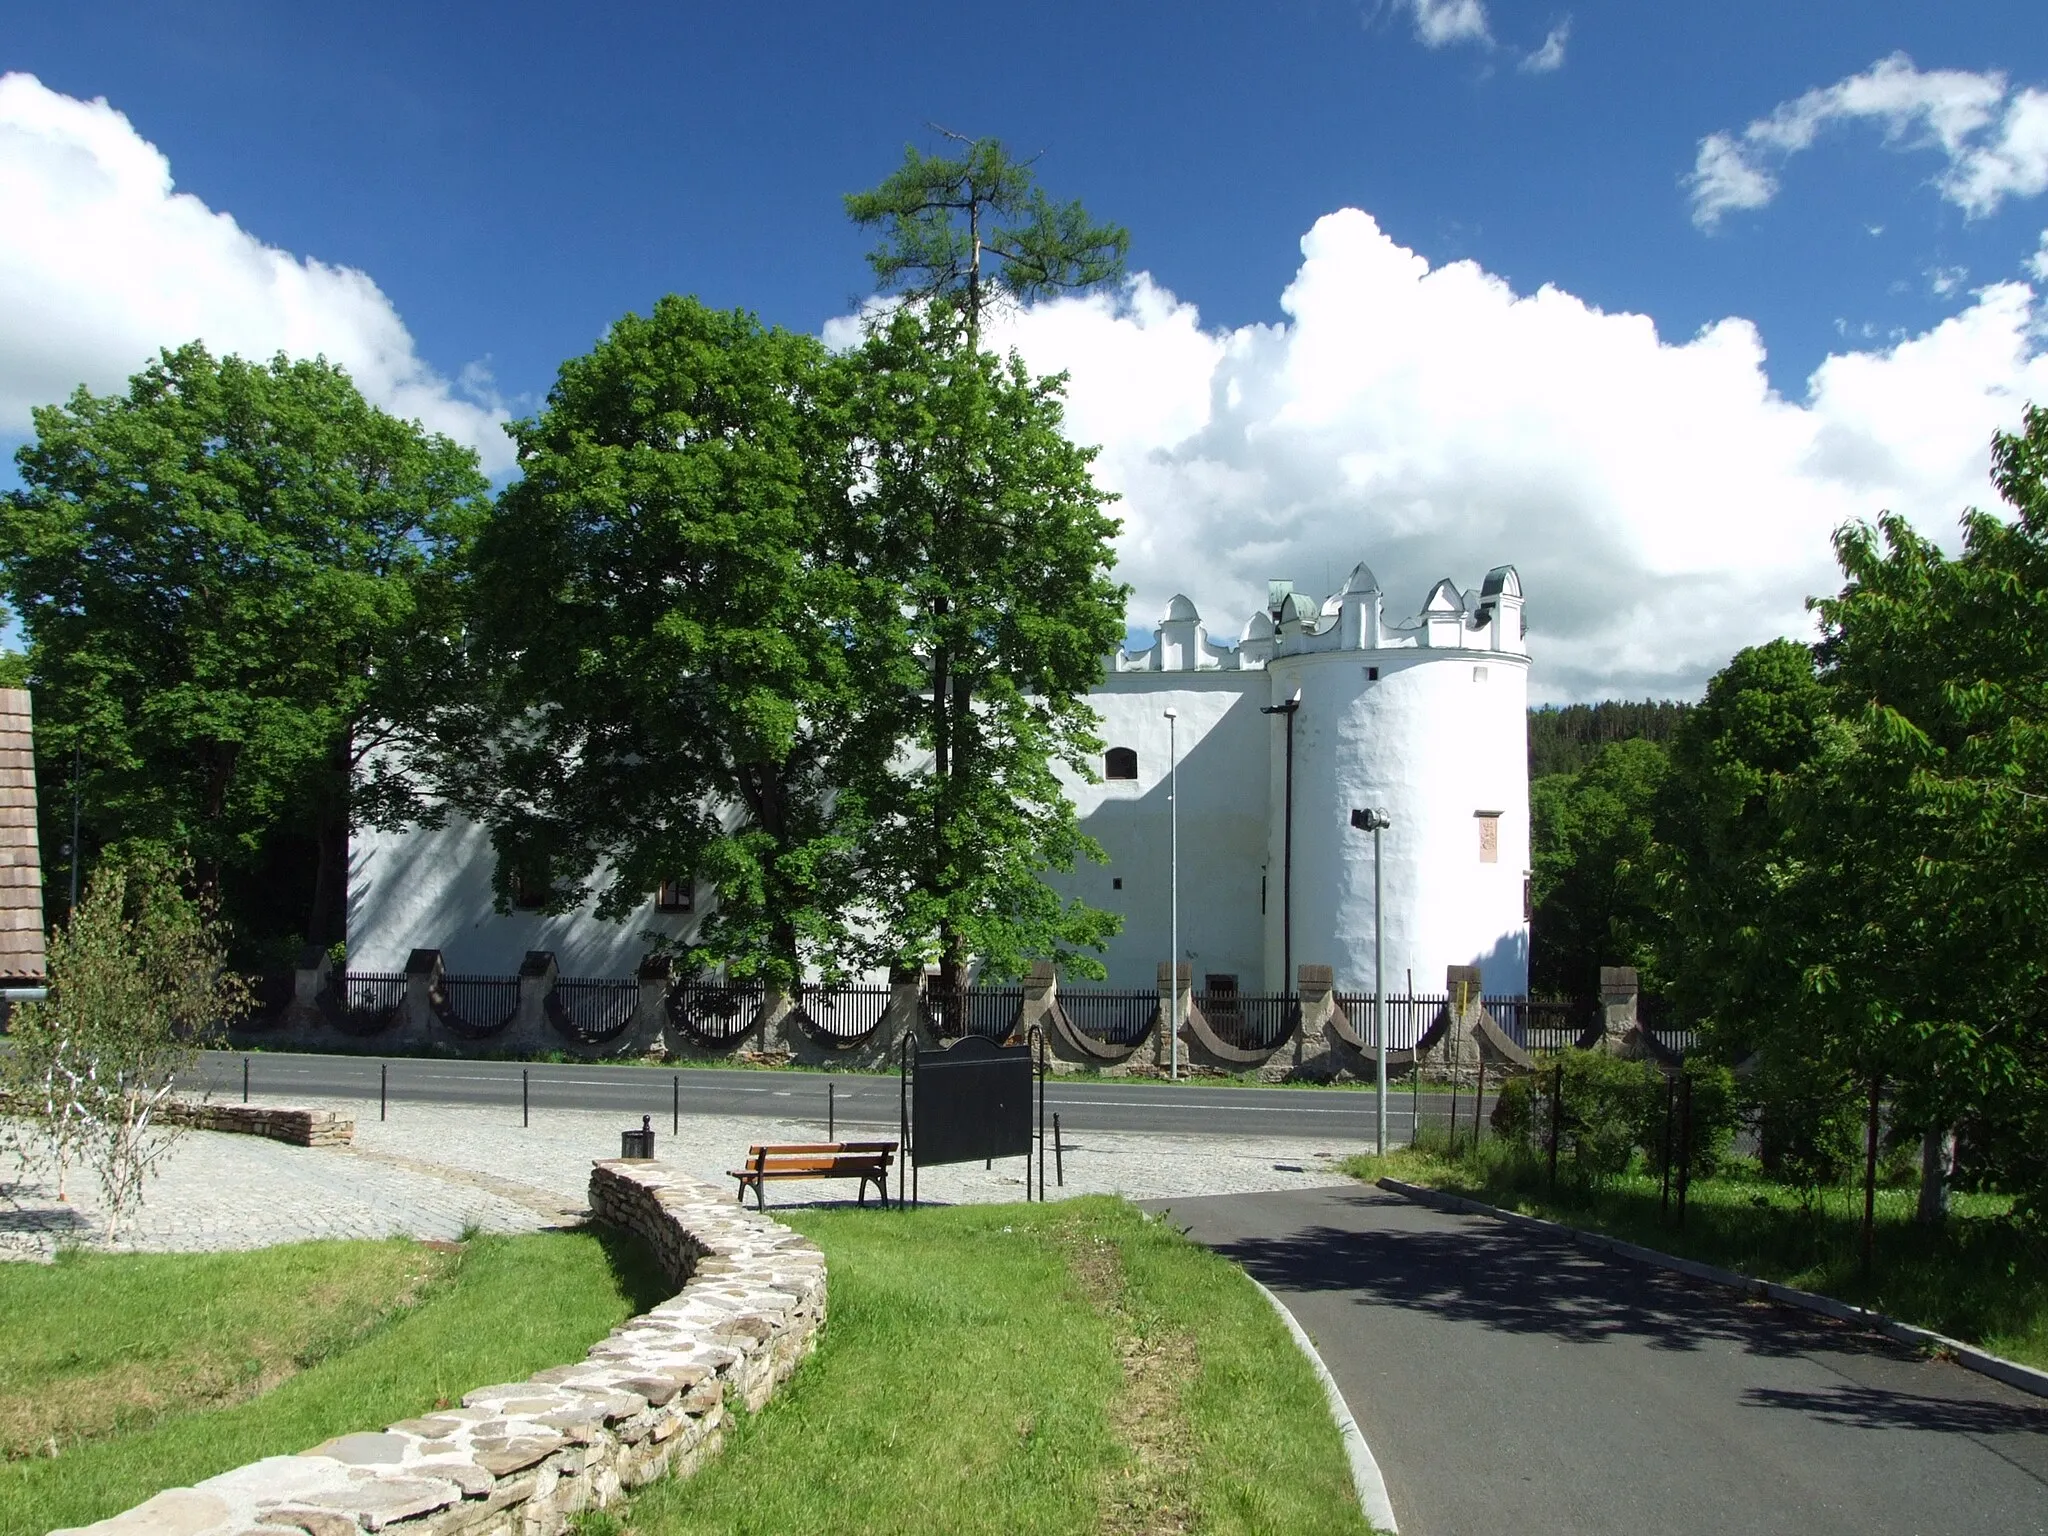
pixel 598 1007
pixel 367 1000
pixel 1111 1016
pixel 1251 1021
pixel 844 1013
pixel 480 1003
pixel 714 1013
pixel 1409 1016
pixel 987 1011
pixel 1543 1023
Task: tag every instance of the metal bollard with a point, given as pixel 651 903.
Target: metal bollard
pixel 676 1107
pixel 383 1081
pixel 525 1098
pixel 1059 1156
pixel 245 1079
pixel 831 1111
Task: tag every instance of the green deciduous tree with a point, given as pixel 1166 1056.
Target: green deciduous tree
pixel 235 583
pixel 985 525
pixel 987 520
pixel 669 655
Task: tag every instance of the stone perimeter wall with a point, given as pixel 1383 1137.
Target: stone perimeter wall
pixel 296 1124
pixel 521 1458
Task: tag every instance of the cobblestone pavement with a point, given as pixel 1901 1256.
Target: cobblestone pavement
pixel 432 1170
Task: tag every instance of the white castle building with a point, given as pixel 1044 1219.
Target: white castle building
pixel 1425 719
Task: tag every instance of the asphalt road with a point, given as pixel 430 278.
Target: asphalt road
pixel 1342 1115
pixel 1509 1383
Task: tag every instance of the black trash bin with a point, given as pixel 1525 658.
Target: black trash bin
pixel 638 1144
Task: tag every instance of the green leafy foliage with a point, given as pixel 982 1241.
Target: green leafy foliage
pixel 1591 882
pixel 235 587
pixel 983 523
pixel 976 227
pixel 1563 738
pixel 665 625
pixel 138 985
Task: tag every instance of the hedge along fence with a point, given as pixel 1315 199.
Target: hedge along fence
pixel 522 1458
pixel 1594 1111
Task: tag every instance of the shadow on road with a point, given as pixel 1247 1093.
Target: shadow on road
pixel 1513 1281
pixel 1855 1407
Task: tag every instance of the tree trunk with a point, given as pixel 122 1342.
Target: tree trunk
pixel 1937 1162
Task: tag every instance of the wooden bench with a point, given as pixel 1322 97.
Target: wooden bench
pixel 868 1161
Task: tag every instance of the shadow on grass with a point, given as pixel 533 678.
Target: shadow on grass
pixel 634 1268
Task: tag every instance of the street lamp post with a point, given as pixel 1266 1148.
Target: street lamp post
pixel 1173 887
pixel 1375 822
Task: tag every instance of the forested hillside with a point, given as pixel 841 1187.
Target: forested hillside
pixel 1563 738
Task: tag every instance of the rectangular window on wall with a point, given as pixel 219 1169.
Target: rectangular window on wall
pixel 676 896
pixel 1489 836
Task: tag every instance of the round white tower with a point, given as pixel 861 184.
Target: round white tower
pixel 1426 721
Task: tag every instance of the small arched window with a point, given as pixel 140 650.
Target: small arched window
pixel 1120 763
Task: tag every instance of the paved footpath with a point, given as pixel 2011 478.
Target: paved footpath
pixel 430 1170
pixel 1509 1383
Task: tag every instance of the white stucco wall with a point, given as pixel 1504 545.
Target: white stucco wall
pixel 1431 746
pixel 1428 741
pixel 1223 796
pixel 431 889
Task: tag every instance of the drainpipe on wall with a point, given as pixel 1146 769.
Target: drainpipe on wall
pixel 1287 847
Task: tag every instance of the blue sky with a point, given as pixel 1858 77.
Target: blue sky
pixel 514 177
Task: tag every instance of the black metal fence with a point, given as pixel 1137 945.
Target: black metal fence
pixel 1409 1016
pixel 1251 1021
pixel 480 1003
pixel 597 1007
pixel 844 1014
pixel 1543 1023
pixel 987 1011
pixel 367 999
pixel 714 1013
pixel 1111 1016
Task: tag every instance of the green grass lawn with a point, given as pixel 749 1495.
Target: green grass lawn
pixel 156 1370
pixel 1977 1278
pixel 1070 1367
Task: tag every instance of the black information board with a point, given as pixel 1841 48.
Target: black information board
pixel 971 1103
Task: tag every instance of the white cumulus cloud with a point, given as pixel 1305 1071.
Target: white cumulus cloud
pixel 102 263
pixel 1993 138
pixel 1550 56
pixel 1664 504
pixel 1441 23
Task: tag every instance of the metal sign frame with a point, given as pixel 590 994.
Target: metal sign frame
pixel 915 1064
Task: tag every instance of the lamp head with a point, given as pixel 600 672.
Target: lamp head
pixel 1374 820
pixel 1173 714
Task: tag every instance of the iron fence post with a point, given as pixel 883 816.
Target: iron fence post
pixel 1556 1118
pixel 1670 1105
pixel 1684 1145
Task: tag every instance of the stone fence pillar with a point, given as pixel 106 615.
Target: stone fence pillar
pixel 423 968
pixel 1175 1018
pixel 1041 988
pixel 536 980
pixel 1619 995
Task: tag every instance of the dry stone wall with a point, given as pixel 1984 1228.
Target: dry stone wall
pixel 521 1458
pixel 300 1126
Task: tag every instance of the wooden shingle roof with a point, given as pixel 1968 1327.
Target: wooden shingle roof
pixel 21 865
